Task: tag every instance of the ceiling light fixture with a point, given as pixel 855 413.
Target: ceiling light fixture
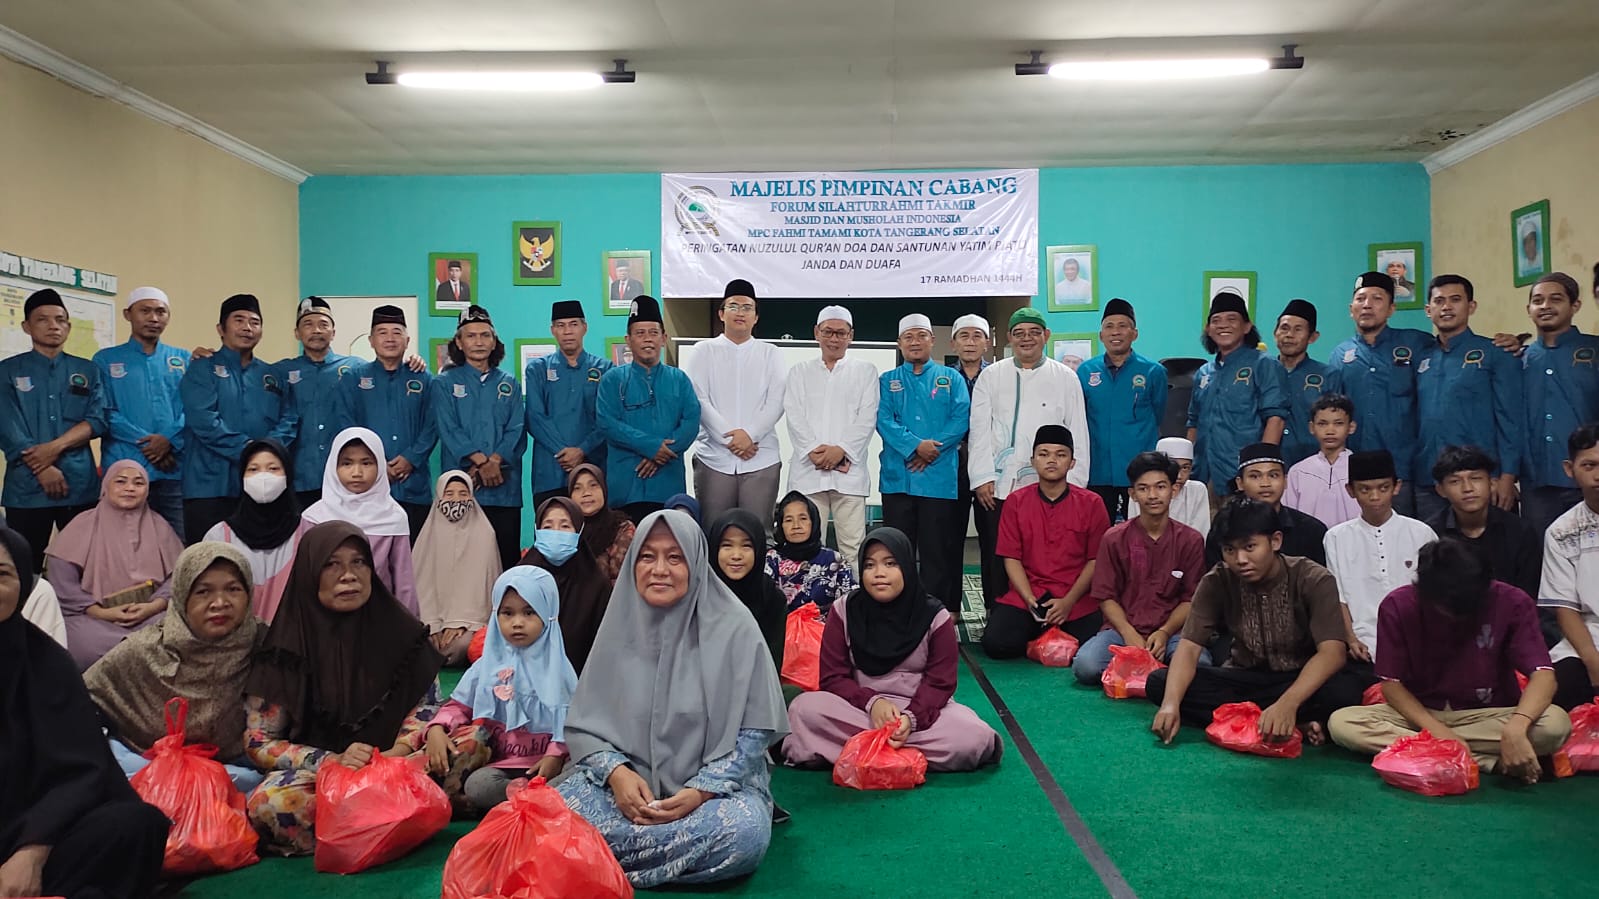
pixel 1159 69
pixel 502 81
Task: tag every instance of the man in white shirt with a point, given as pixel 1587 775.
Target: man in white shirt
pixel 830 404
pixel 1014 398
pixel 1570 583
pixel 739 383
pixel 1375 554
pixel 973 338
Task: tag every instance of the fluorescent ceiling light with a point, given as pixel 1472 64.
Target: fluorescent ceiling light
pixel 501 81
pixel 1155 69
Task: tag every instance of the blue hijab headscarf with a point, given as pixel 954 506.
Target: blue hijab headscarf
pixel 529 687
pixel 688 504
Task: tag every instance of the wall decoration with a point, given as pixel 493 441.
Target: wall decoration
pixel 1404 262
pixel 1529 232
pixel 616 350
pixel 1073 349
pixel 528 349
pixel 452 282
pixel 628 273
pixel 1073 277
pixel 537 246
pixel 1240 283
pixel 438 358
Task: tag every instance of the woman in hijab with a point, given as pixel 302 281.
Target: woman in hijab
pixel 685 503
pixel 266 524
pixel 804 569
pixel 355 488
pixel 201 652
pixel 607 532
pixel 112 566
pixel 345 673
pixel 672 718
pixel 518 692
pixel 456 561
pixel 889 656
pixel 584 589
pixel 69 823
pixel 739 541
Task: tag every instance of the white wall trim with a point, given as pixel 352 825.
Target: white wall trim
pixel 29 52
pixel 1529 117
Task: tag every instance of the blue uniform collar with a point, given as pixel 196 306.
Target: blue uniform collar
pixel 1382 337
pixel 230 358
pixel 134 344
pixel 1457 341
pixel 585 359
pixel 1571 334
pixel 1239 350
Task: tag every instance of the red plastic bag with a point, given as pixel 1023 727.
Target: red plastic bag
pixel 210 830
pixel 869 763
pixel 1582 747
pixel 1427 765
pixel 474 649
pixel 1053 649
pixel 533 845
pixel 1128 671
pixel 375 815
pixel 1236 726
pixel 1373 695
pixel 802 647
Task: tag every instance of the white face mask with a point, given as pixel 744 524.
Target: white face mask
pixel 264 487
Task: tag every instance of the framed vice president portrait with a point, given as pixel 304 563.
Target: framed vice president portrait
pixel 627 275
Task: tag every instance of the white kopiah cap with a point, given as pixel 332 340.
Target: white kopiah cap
pixel 148 293
pixel 1176 447
pixel 835 313
pixel 973 321
pixel 913 321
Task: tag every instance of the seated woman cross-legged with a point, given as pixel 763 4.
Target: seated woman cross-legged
pixel 200 652
pixel 672 717
pixel 70 825
pixel 346 672
pixel 804 569
pixel 889 654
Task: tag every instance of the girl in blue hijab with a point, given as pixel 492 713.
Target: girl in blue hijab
pixel 518 691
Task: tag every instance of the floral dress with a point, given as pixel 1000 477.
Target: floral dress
pixel 283 807
pixel 822 580
pixel 722 839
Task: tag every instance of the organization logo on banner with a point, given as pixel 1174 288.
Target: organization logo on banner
pixel 696 210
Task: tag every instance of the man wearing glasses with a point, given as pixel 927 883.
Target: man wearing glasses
pixel 738 381
pixel 648 415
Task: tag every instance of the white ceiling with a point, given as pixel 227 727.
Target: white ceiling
pixel 845 84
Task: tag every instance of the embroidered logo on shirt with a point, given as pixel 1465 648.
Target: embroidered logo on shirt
pixel 78 380
pixel 1422 368
pixel 364 384
pixel 941 382
pixel 894 386
pixel 1583 356
pixel 413 386
pixel 1485 639
pixel 1204 381
pixel 1243 375
pixel 1138 380
pixel 1093 379
pixel 1474 357
pixel 23 384
pixel 344 370
pixel 270 383
pixel 1349 354
pixel 220 370
pixel 1401 355
pixel 175 362
pixel 505 388
pixel 594 374
pixel 294 376
pixel 460 391
pixel 117 370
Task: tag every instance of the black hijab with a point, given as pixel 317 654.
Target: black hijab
pixel 883 634
pixel 55 763
pixel 598 530
pixel 807 549
pixel 342 677
pixel 264 527
pixel 755 590
pixel 584 589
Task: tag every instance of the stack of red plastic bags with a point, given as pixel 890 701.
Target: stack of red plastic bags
pixel 1427 765
pixel 531 846
pixel 867 762
pixel 1053 649
pixel 210 830
pixel 802 648
pixel 375 815
pixel 1236 726
pixel 1582 748
pixel 1128 671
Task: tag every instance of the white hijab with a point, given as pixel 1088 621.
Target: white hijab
pixel 375 512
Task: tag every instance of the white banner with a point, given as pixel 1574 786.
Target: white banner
pixel 827 235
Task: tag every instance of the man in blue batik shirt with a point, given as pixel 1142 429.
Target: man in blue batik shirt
pixel 1239 397
pixel 313 379
pixel 1306 378
pixel 1126 398
pixel 1560 386
pixel 562 392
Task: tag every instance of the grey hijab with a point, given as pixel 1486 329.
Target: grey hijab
pixel 671 688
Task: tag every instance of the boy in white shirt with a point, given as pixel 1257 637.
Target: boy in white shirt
pixel 1570 583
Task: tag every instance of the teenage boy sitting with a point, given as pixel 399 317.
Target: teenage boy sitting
pixel 1316 483
pixel 1190 499
pixel 1049 536
pixel 1571 575
pixel 1451 646
pixel 1375 554
pixel 1288 651
pixel 1262 477
pixel 1146 573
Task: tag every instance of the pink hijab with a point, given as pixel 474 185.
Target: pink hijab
pixel 117 549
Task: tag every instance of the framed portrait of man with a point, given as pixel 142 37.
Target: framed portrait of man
pixel 1073 350
pixel 528 349
pixel 537 247
pixel 1239 283
pixel 1073 277
pixel 452 283
pixel 616 350
pixel 627 275
pixel 1404 263
pixel 1529 227
pixel 438 358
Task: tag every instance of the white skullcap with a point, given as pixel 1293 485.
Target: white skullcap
pixel 148 293
pixel 973 321
pixel 835 313
pixel 1176 447
pixel 915 320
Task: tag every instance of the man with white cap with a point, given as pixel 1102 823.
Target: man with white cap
pixel 1014 398
pixel 830 404
pixel 739 383
pixel 1190 499
pixel 923 409
pixel 973 338
pixel 141 379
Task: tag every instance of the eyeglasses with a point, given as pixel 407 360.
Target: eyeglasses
pixel 834 333
pixel 739 307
